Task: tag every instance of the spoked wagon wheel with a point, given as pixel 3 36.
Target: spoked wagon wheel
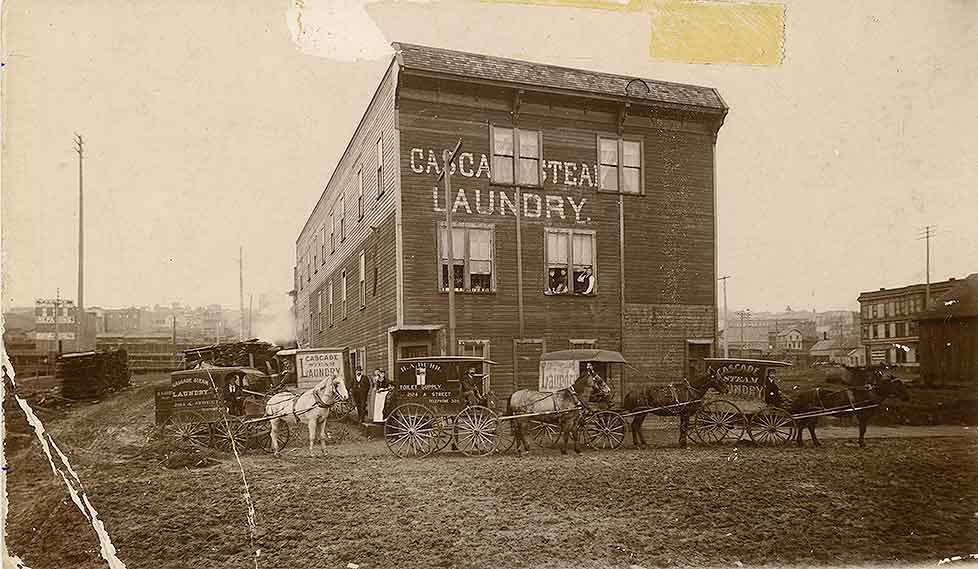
pixel 263 435
pixel 771 426
pixel 717 420
pixel 445 433
pixel 505 435
pixel 544 434
pixel 189 427
pixel 475 431
pixel 229 433
pixel 410 431
pixel 604 430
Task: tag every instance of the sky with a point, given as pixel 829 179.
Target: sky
pixel 210 125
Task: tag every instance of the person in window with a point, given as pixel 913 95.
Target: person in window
pixel 585 282
pixel 558 281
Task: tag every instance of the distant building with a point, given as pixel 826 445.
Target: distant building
pixel 789 340
pixel 948 346
pixel 845 350
pixel 889 320
pixel 54 321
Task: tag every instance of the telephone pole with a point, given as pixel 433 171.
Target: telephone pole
pixel 726 326
pixel 80 305
pixel 241 313
pixel 744 316
pixel 926 235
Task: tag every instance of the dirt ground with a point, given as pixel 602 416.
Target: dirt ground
pixel 901 499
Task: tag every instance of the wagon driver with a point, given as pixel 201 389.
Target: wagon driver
pixel 472 387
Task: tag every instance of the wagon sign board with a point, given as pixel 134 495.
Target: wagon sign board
pixel 558 374
pixel 312 366
pixel 428 383
pixel 192 391
pixel 745 378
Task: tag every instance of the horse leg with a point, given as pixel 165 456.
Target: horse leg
pixel 637 430
pixel 811 431
pixel 800 432
pixel 564 434
pixel 683 425
pixel 273 432
pixel 576 433
pixel 312 426
pixel 862 427
pixel 322 435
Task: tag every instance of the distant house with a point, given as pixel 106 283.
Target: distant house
pixel 948 346
pixel 840 350
pixel 789 340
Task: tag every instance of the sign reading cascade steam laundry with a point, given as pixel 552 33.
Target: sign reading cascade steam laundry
pixel 314 366
pixel 576 175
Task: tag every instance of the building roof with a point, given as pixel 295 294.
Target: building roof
pixel 502 70
pixel 899 291
pixel 960 302
pixel 825 347
pixel 787 331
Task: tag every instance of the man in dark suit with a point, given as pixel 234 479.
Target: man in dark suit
pixel 359 391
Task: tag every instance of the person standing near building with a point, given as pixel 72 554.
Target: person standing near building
pixel 359 391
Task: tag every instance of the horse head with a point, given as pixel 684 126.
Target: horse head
pixel 332 389
pixel 708 381
pixel 892 388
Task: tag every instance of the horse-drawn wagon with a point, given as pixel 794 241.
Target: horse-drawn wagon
pixel 217 406
pixel 753 403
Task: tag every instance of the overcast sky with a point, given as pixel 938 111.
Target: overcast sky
pixel 214 124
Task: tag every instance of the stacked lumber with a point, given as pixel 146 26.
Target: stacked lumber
pixel 89 375
pixel 232 354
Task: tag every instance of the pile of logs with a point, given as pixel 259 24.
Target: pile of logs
pixel 88 375
pixel 250 353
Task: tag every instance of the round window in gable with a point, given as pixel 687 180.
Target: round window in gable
pixel 637 88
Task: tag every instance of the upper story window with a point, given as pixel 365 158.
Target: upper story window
pixel 329 298
pixel 343 293
pixel 322 244
pixel 332 232
pixel 472 260
pixel 363 280
pixel 380 166
pixel 570 262
pixel 516 156
pixel 320 306
pixel 621 165
pixel 342 218
pixel 360 194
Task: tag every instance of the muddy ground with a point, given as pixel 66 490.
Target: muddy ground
pixel 898 500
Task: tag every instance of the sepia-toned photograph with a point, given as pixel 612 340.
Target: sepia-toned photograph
pixel 370 284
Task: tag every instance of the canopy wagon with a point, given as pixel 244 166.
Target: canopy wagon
pixel 747 407
pixel 217 406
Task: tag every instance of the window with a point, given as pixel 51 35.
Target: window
pixel 358 359
pixel 332 232
pixel 893 333
pixel 591 344
pixel 517 149
pixel 472 258
pixel 363 280
pixel 342 218
pixel 865 332
pixel 320 303
pixel 322 244
pixel 380 167
pixel 329 294
pixel 343 294
pixel 890 309
pixel 360 193
pixel 881 330
pixel 865 311
pixel 570 254
pixel 621 165
pixel 913 328
pixel 478 349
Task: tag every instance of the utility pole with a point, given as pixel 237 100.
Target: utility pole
pixel 241 328
pixel 57 329
pixel 926 235
pixel 251 304
pixel 449 158
pixel 744 316
pixel 726 325
pixel 80 305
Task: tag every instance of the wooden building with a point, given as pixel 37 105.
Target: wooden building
pixel 890 321
pixel 584 216
pixel 949 336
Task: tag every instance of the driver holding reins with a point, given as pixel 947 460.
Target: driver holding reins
pixel 472 387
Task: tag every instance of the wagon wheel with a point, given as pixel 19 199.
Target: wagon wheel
pixel 410 431
pixel 771 426
pixel 230 432
pixel 189 427
pixel 505 435
pixel 263 435
pixel 717 420
pixel 445 433
pixel 475 431
pixel 544 434
pixel 604 430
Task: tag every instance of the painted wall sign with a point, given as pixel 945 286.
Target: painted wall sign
pixel 557 375
pixel 557 172
pixel 313 367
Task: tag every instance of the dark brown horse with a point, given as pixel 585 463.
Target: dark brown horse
pixel 674 399
pixel 563 407
pixel 853 397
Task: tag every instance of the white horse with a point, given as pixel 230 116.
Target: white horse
pixel 311 408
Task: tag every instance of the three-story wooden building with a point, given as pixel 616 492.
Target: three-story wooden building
pixel 584 215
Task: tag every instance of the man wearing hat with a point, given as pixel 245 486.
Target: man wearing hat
pixel 472 387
